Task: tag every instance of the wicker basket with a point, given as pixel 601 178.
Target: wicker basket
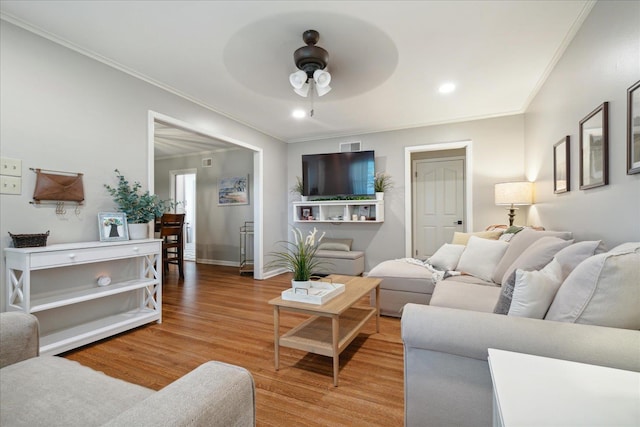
pixel 29 240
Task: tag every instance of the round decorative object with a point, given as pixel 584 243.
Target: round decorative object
pixel 104 281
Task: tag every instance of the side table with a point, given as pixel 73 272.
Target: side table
pixel 539 391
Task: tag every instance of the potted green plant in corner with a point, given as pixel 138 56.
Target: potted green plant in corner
pixel 381 183
pixel 298 257
pixel 298 188
pixel 140 208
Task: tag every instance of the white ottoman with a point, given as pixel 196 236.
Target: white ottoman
pixel 348 263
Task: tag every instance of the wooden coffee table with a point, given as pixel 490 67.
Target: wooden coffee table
pixel 333 325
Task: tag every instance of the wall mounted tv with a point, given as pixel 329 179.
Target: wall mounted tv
pixel 338 174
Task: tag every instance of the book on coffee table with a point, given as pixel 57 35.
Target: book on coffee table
pixel 318 293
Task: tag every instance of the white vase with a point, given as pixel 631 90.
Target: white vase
pixel 304 198
pixel 300 284
pixel 379 195
pixel 138 231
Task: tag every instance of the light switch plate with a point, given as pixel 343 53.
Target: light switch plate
pixel 11 167
pixel 10 185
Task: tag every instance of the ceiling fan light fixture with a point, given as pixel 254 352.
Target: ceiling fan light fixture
pixel 323 90
pixel 298 79
pixel 302 90
pixel 322 78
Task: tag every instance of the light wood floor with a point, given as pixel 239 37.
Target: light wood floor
pixel 216 314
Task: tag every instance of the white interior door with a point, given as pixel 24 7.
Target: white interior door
pixel 183 191
pixel 438 203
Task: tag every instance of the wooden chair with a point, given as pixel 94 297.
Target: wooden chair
pixel 171 226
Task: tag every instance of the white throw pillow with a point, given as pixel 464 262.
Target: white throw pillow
pixel 481 256
pixel 446 258
pixel 534 291
pixel 603 290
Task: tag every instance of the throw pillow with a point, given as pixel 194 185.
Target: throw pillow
pixel 463 238
pixel 534 291
pixel 446 258
pixel 481 256
pixel 329 244
pixel 571 256
pixel 534 257
pixel 518 244
pixel 603 290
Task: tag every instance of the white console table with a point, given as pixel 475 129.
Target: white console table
pixel 540 391
pixel 58 284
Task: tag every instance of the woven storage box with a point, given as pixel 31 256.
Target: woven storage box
pixel 29 240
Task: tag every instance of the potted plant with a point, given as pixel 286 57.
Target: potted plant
pixel 140 208
pixel 381 183
pixel 298 188
pixel 298 257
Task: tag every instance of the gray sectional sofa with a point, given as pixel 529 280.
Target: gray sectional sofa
pixel 53 391
pixel 570 301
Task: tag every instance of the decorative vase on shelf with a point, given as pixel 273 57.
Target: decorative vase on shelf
pixel 304 198
pixel 138 231
pixel 379 195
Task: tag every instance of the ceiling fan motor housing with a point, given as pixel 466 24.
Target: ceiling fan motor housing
pixel 310 58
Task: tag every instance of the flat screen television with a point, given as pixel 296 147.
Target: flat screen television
pixel 338 174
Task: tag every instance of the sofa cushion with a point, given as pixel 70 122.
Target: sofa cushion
pixel 603 290
pixel 400 268
pixel 54 391
pixel 331 244
pixel 481 256
pixel 463 238
pixel 518 244
pixel 534 257
pixel 446 257
pixel 534 291
pixel 465 296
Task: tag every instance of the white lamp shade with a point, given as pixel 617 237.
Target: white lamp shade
pixel 303 90
pixel 514 193
pixel 298 79
pixel 322 78
pixel 323 90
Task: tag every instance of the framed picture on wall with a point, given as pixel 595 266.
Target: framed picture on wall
pixel 561 169
pixel 113 226
pixel 633 129
pixel 233 191
pixel 594 148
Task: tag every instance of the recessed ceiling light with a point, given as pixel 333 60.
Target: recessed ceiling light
pixel 299 114
pixel 447 88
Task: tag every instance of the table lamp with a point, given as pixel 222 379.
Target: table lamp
pixel 512 194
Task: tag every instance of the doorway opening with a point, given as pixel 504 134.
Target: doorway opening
pixel 255 180
pixel 183 192
pixel 440 164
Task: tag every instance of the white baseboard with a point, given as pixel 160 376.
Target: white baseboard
pixel 272 273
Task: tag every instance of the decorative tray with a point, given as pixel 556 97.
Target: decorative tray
pixel 318 293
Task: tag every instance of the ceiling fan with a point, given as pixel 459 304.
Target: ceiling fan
pixel 311 61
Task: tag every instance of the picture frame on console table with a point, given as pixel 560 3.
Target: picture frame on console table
pixel 561 166
pixel 113 226
pixel 594 148
pixel 633 129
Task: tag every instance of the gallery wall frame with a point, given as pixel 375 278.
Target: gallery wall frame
pixel 633 129
pixel 561 166
pixel 594 148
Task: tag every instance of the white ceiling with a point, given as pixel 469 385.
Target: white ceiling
pixel 387 58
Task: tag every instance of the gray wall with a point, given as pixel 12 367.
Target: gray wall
pixel 599 65
pixel 217 227
pixel 64 111
pixel 498 155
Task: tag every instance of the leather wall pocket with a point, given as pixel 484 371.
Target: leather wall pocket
pixel 58 187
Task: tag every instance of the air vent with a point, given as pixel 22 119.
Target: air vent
pixel 207 163
pixel 349 146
